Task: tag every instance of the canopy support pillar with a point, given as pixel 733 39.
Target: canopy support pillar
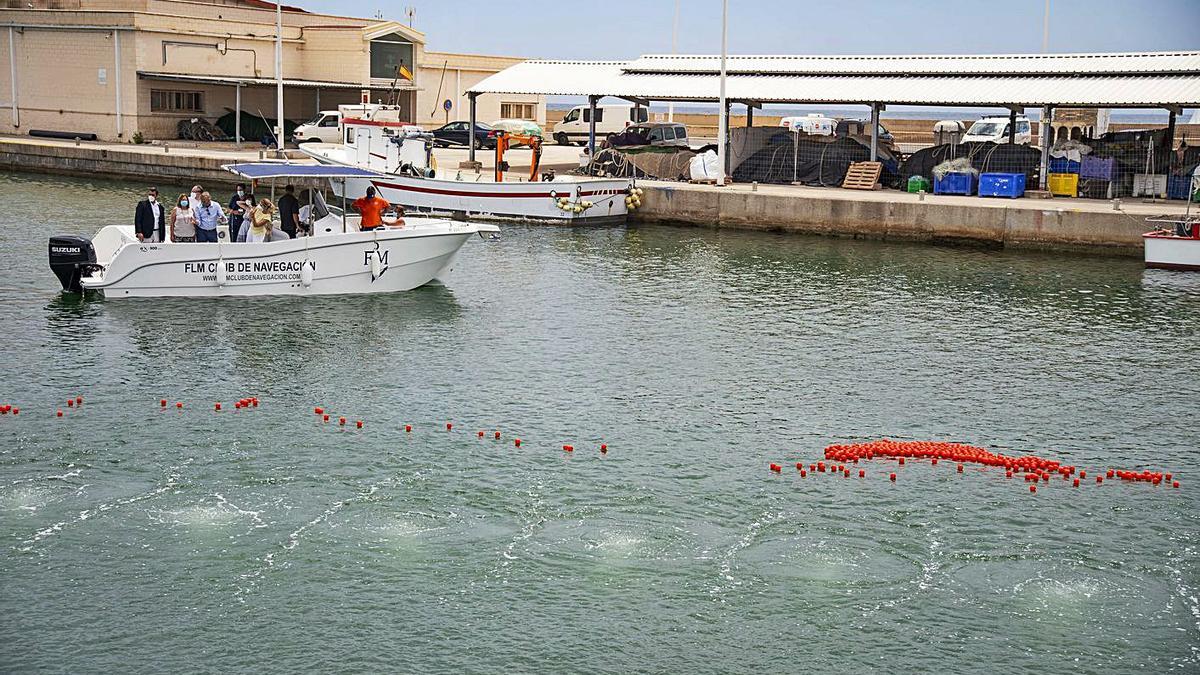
pixel 875 132
pixel 471 163
pixel 1170 138
pixel 1045 138
pixel 237 115
pixel 1012 126
pixel 592 124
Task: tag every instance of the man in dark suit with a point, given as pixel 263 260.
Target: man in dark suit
pixel 150 218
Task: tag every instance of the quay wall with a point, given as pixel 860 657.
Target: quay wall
pixel 898 217
pixel 152 164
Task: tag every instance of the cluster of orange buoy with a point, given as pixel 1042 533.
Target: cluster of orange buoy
pixel 9 408
pixel 1035 469
pixel 320 412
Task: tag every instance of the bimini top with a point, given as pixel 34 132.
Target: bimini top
pixel 1133 80
pixel 261 170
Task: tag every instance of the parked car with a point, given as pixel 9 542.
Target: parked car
pixel 455 133
pixel 859 128
pixel 995 129
pixel 651 133
pixel 610 119
pixel 321 129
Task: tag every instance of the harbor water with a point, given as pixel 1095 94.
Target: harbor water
pixel 135 538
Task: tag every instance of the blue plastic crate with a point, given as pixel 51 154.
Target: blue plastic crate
pixel 1063 165
pixel 1178 187
pixel 1002 185
pixel 954 184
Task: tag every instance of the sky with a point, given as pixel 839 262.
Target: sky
pixel 624 29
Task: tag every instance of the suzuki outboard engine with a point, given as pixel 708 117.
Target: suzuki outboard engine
pixel 71 257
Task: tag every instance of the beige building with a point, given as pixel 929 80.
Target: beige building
pixel 118 67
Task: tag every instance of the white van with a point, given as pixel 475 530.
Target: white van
pixel 995 129
pixel 322 129
pixel 610 119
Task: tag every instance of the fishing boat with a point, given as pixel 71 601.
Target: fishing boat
pixel 1174 243
pixel 337 257
pixel 402 155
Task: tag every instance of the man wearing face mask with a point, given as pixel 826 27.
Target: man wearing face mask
pixel 149 219
pixel 208 216
pixel 239 205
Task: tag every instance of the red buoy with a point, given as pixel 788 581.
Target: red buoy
pixel 480 434
pixel 1167 476
pixel 179 404
pixel 16 411
pixel 358 424
pixel 70 403
pixel 217 405
pixel 861 473
pixel 60 413
pixel 318 410
pixel 324 418
pixel 1099 480
pixel 162 402
pixel 1008 474
pixel 933 461
pixel 407 428
pixel 960 468
pixel 78 400
pixel 1175 484
pixel 1110 473
pixel 845 473
pixel 254 401
pixel 776 468
pixel 497 436
pixel 1033 488
pixel 803 473
pixel 1075 483
pixel 604 451
pixel 1083 474
pixel 571 448
pixel 901 460
pixel 449 426
pixel 517 442
pixel 892 477
pixel 342 421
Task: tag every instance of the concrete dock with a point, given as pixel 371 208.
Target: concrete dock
pixel 1094 226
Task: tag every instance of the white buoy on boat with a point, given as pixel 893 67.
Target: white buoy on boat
pixel 306 273
pixel 222 273
pixel 373 258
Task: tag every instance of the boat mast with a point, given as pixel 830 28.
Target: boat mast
pixel 279 77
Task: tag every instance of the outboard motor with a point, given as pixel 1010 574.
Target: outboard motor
pixel 71 257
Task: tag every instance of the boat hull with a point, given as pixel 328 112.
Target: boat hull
pixel 487 199
pixel 340 264
pixel 1171 252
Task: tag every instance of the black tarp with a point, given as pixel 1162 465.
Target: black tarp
pixel 811 161
pixel 254 127
pixel 985 157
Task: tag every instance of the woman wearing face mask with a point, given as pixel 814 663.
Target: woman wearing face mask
pixel 260 221
pixel 183 221
pixel 239 205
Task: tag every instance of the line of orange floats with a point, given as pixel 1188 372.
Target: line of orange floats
pixel 1034 469
pixel 408 429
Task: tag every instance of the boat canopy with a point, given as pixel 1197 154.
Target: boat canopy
pixel 261 170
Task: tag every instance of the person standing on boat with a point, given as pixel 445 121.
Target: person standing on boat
pixel 260 221
pixel 208 217
pixel 150 218
pixel 183 221
pixel 289 212
pixel 371 208
pixel 239 205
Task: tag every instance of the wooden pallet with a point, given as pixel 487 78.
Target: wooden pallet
pixel 862 175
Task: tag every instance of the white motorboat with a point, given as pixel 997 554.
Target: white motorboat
pixel 336 258
pixel 401 154
pixel 1174 244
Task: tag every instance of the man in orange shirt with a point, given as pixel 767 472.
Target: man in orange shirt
pixel 371 208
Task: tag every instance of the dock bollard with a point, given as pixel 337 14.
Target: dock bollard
pixel 166 148
pixel 1116 205
pixel 920 195
pixel 754 186
pixel 77 141
pixel 260 155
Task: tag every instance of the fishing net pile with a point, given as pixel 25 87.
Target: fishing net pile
pixel 817 160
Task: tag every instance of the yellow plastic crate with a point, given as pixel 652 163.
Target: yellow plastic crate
pixel 1064 184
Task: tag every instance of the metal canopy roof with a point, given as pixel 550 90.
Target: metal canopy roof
pixel 246 81
pixel 1077 80
pixel 1006 64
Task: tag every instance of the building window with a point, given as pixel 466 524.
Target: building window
pixel 176 101
pixel 388 55
pixel 519 111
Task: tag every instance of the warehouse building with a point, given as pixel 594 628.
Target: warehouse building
pixel 116 68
